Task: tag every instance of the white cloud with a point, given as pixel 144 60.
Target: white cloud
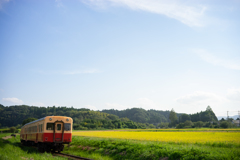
pixel 206 56
pixel 38 104
pixel 82 71
pixel 188 14
pixel 233 94
pixel 146 103
pixel 90 107
pixel 13 100
pixel 199 97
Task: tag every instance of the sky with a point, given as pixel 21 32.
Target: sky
pixel 118 54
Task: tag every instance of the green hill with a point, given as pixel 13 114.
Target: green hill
pixel 82 118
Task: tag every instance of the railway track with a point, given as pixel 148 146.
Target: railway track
pixel 70 156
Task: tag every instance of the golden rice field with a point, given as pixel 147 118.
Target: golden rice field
pixel 176 137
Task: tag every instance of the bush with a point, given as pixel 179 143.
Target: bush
pixel 198 124
pixel 13 130
pixel 224 124
pixel 188 123
pixel 180 125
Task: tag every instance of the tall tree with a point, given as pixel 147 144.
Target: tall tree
pixel 173 117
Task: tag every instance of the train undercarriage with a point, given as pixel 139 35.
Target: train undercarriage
pixel 45 147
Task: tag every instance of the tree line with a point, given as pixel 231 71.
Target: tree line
pixel 83 118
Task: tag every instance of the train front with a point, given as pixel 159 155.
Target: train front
pixel 58 129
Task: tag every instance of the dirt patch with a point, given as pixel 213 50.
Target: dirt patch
pixel 85 147
pixel 7 137
pixel 123 153
pixel 165 158
pixel 27 158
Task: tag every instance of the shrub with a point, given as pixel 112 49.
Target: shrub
pixel 13 130
pixel 224 124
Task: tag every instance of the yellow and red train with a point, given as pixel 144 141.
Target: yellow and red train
pixel 48 133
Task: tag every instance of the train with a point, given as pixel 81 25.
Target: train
pixel 48 134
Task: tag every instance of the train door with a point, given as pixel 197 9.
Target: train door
pixel 58 129
pixel 37 131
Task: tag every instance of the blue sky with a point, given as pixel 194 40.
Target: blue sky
pixel 103 54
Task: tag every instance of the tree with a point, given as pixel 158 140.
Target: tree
pixel 173 117
pixel 222 120
pixel 185 117
pixel 209 109
pixel 28 120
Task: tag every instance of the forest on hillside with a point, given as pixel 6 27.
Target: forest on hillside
pixel 156 117
pixel 83 118
pixel 108 119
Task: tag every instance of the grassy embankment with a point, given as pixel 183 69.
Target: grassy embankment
pixel 11 149
pixel 212 148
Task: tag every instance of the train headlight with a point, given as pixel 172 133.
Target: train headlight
pixel 50 119
pixel 67 119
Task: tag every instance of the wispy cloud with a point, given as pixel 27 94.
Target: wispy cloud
pixel 2 2
pixel 59 3
pixel 198 97
pixel 146 103
pixel 70 72
pixel 188 14
pixel 13 100
pixel 90 107
pixel 233 94
pixel 115 106
pixel 210 58
pixel 82 71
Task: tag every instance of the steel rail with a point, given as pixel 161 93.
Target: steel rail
pixel 70 156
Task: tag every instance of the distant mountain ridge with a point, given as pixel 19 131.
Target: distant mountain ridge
pixel 225 117
pixel 141 115
pixel 155 116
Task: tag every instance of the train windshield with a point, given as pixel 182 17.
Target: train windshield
pixel 50 126
pixel 67 126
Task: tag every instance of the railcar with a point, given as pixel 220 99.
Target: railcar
pixel 48 134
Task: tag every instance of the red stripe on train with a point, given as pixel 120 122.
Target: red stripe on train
pixel 48 137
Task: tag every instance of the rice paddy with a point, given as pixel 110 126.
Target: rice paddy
pixel 173 137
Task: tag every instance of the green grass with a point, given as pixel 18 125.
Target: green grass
pixel 111 149
pixel 143 150
pixel 11 149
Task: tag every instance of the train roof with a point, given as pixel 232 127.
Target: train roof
pixel 41 119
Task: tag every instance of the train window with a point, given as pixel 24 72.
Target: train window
pixel 50 126
pixel 67 126
pixel 59 127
